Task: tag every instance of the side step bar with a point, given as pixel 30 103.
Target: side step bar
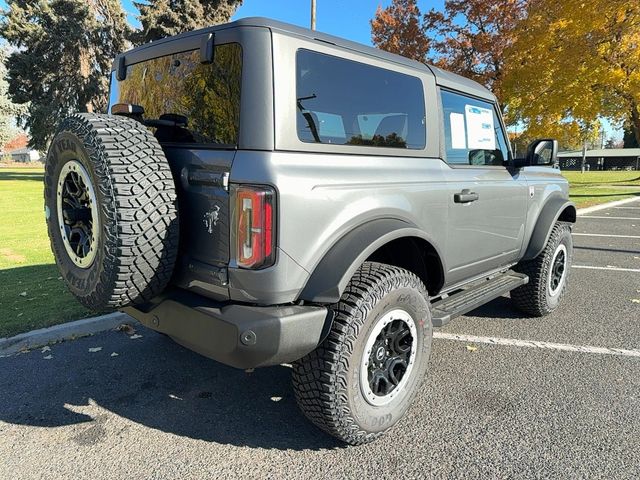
pixel 477 294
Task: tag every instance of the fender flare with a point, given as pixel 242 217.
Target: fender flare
pixel 555 208
pixel 330 277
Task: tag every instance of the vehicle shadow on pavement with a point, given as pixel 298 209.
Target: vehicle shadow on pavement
pixel 156 383
pixel 501 308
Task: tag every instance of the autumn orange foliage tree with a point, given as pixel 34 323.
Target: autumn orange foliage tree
pixel 472 36
pixel 469 37
pixel 400 29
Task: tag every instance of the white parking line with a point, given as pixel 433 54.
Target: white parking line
pixel 627 208
pixel 614 269
pixel 609 218
pixel 604 235
pixel 511 342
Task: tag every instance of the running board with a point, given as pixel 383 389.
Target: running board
pixel 477 294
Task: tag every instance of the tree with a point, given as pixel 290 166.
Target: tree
pixel 400 29
pixel 573 64
pixel 163 18
pixel 8 110
pixel 471 37
pixel 63 57
pixel 629 139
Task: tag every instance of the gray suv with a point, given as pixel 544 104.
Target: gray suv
pixel 266 194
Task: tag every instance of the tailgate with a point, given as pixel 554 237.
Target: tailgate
pixel 201 178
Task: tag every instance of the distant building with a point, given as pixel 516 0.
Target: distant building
pixel 17 150
pixel 602 159
pixel 23 155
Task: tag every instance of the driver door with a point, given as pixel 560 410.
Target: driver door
pixel 487 202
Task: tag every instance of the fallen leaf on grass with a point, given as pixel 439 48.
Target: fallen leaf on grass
pixel 45 349
pixel 20 314
pixel 133 337
pixel 48 357
pixel 126 328
pixel 23 294
pixel 114 354
pixel 471 348
pixel 95 349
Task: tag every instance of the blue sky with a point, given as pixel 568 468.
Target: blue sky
pixel 344 18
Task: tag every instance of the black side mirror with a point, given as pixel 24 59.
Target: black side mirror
pixel 542 152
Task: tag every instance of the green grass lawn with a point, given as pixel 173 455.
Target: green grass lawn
pixel 592 188
pixel 32 294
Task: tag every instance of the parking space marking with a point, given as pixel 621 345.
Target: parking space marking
pixel 603 235
pixel 615 269
pixel 512 342
pixel 609 218
pixel 628 208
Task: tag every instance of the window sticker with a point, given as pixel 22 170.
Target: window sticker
pixel 458 131
pixel 480 132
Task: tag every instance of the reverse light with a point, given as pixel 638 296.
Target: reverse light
pixel 255 226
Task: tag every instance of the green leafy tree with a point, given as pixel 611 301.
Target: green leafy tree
pixel 62 60
pixel 8 110
pixel 163 18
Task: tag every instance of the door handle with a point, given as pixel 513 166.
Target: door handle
pixel 465 196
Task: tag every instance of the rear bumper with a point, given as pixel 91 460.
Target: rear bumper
pixel 241 336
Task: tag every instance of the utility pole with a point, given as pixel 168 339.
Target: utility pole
pixel 313 14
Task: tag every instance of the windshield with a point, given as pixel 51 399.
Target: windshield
pixel 201 102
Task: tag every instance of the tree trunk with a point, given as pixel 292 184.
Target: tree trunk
pixel 635 121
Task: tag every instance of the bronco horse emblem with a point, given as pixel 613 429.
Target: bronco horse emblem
pixel 211 218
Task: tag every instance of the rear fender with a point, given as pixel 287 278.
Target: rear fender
pixel 330 277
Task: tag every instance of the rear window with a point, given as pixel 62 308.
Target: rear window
pixel 200 103
pixel 344 102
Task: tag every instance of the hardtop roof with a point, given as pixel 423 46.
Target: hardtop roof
pixel 443 78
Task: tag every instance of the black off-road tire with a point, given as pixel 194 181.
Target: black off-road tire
pixel 327 382
pixel 137 233
pixel 536 297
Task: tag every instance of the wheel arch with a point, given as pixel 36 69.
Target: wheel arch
pixel 392 241
pixel 556 209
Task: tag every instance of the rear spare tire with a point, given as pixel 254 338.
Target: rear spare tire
pixel 111 210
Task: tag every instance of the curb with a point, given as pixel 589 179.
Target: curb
pixel 65 331
pixel 603 206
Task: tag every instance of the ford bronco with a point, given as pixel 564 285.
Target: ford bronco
pixel 267 194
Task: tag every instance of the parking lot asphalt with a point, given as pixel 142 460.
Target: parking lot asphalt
pixel 530 410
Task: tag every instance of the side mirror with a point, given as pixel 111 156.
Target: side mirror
pixel 542 152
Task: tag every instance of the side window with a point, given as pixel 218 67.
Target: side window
pixel 473 134
pixel 344 102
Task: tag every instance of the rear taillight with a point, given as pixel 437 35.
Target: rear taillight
pixel 254 223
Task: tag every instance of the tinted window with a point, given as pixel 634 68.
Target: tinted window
pixel 200 101
pixel 473 134
pixel 349 103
